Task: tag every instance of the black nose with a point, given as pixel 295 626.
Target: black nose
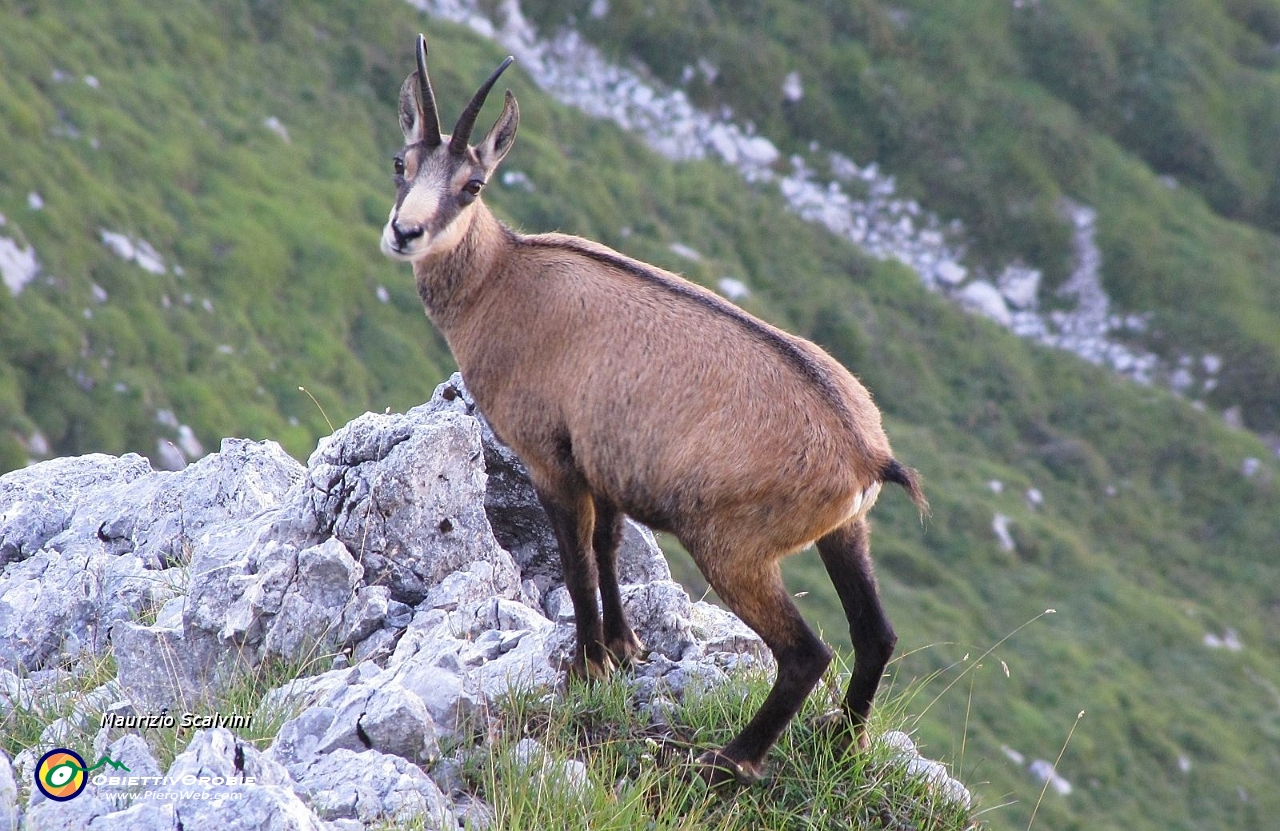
pixel 404 235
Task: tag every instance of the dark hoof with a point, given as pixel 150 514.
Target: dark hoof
pixel 845 733
pixel 584 671
pixel 627 651
pixel 717 770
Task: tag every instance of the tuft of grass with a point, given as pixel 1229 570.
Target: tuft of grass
pixel 27 710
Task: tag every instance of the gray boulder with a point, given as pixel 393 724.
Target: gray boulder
pixel 160 515
pixel 55 604
pixel 238 787
pixel 247 808
pixel 219 756
pixel 640 560
pixel 323 588
pixel 462 662
pixel 405 493
pixel 340 776
pixel 94 541
pixel 389 514
pixel 37 502
pixel 116 788
pixel 264 597
pixel 370 788
pixel 161 667
pixel 47 815
pixel 718 631
pixel 382 716
pixel 660 614
pixel 456 710
pixel 144 816
pixel 10 813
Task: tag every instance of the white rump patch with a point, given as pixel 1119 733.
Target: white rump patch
pixel 863 500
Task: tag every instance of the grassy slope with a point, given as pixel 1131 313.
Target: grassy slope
pixel 282 239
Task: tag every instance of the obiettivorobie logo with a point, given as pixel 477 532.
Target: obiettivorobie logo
pixel 61 773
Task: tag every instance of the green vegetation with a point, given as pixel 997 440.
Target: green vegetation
pixel 28 714
pixel 1149 535
pixel 637 775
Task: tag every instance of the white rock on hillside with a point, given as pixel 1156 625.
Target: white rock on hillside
pixel 18 265
pixel 1044 771
pixel 135 250
pixel 985 299
pixel 934 774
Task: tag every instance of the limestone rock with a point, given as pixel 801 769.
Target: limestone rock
pixel 159 667
pixel 371 788
pixel 934 774
pixel 405 494
pixel 56 604
pixel 37 502
pixel 10 813
pixel 159 516
pixel 984 298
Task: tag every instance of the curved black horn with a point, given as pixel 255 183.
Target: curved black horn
pixel 466 121
pixel 427 98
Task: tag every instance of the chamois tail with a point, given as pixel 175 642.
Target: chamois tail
pixel 907 477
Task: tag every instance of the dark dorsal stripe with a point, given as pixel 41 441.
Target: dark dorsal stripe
pixel 765 334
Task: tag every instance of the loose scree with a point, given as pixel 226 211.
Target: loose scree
pixel 571 351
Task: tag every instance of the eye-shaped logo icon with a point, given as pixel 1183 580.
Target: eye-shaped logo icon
pixel 61 774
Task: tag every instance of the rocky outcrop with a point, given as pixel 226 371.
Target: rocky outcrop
pixel 410 545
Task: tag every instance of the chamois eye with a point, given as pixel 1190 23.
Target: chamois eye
pixel 473 187
pixel 398 166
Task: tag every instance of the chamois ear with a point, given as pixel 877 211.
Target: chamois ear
pixel 412 124
pixel 498 141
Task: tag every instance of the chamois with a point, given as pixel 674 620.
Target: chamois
pixel 572 351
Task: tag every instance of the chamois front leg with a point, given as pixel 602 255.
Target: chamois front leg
pixel 619 639
pixel 573 520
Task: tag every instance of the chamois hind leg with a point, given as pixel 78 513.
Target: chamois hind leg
pixel 619 639
pixel 758 596
pixel 573 520
pixel 846 554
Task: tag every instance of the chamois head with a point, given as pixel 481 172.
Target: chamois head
pixel 438 178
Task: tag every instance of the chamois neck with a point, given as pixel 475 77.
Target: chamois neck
pixel 449 281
